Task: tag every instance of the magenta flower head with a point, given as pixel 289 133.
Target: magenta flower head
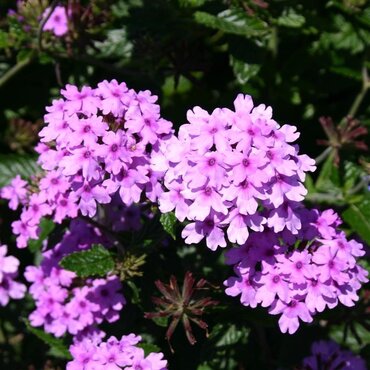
pixel 235 168
pixel 57 21
pixel 114 354
pixel 296 283
pixel 97 145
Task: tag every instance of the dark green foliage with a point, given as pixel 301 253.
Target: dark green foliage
pixel 96 261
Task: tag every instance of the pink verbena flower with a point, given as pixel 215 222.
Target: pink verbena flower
pixel 61 306
pixel 97 143
pixel 114 354
pixel 57 22
pixel 297 283
pixel 9 287
pixel 234 162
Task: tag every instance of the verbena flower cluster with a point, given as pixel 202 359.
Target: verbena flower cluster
pixel 231 173
pixel 9 287
pixel 329 355
pixel 234 171
pixel 296 276
pixel 114 354
pixel 66 303
pixel 97 143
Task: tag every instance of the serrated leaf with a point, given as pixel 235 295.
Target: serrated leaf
pixel 358 217
pixel 115 45
pixel 96 261
pixel 168 221
pixel 232 21
pixel 57 347
pixel 46 226
pixel 352 175
pixel 291 19
pixel 232 335
pixel 12 165
pixel 336 333
pixel 243 71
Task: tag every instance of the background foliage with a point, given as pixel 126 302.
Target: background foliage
pixel 307 59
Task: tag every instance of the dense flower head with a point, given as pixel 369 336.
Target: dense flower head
pixel 64 304
pixel 234 171
pixel 329 355
pixel 57 21
pixel 97 144
pixel 9 287
pixel 114 354
pixel 296 283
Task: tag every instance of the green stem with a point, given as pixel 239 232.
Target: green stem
pixel 14 70
pixel 43 22
pixel 359 98
pixel 359 186
pixel 320 158
pixel 324 198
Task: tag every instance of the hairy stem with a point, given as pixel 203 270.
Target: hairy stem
pixel 320 158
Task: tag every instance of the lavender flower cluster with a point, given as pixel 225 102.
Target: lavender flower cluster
pixel 114 354
pixel 233 170
pixel 328 355
pixel 66 304
pixel 236 171
pixel 299 275
pixel 9 287
pixel 98 142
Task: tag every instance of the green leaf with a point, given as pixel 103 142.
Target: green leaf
pixel 309 184
pixel 57 347
pixel 135 299
pixel 336 333
pixel 291 19
pixel 232 335
pixel 168 221
pixel 46 226
pixel 233 21
pixel 161 321
pixel 243 71
pixel 329 175
pixel 148 348
pixel 96 261
pixel 115 45
pixel 4 40
pixel 358 217
pixel 204 366
pixel 353 74
pixel 12 165
pixel 191 3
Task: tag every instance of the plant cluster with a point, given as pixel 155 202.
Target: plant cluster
pixel 258 251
